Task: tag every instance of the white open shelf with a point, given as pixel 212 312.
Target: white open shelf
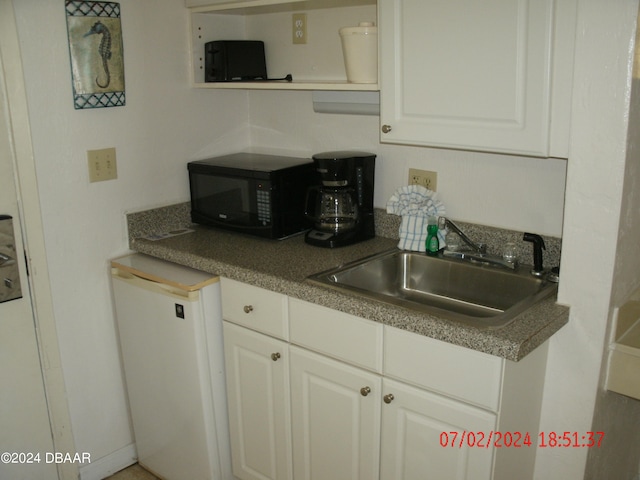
pixel 316 65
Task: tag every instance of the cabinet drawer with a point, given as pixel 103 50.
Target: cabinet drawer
pixel 337 334
pixel 455 371
pixel 255 308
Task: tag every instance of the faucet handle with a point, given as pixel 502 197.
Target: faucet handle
pixel 510 253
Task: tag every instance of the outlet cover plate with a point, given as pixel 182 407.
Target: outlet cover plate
pixel 299 28
pixel 425 178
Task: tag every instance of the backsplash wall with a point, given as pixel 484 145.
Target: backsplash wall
pixel 505 191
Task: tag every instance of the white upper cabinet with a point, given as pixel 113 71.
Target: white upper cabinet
pixel 484 76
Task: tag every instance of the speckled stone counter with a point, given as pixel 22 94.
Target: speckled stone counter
pixel 283 266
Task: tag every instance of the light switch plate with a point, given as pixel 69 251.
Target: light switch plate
pixel 102 164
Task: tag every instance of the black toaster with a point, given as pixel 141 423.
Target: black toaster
pixel 234 60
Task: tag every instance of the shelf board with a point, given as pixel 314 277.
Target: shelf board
pixel 310 85
pixel 256 7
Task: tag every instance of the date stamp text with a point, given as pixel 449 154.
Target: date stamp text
pixel 495 439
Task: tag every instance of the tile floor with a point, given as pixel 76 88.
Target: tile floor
pixel 134 472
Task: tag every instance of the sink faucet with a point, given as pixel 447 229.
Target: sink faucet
pixel 475 252
pixel 538 246
pixel 444 223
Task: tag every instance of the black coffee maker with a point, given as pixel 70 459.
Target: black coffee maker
pixel 341 206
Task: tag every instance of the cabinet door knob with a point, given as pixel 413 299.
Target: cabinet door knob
pixel 275 356
pixel 248 308
pixel 386 128
pixel 364 391
pixel 388 398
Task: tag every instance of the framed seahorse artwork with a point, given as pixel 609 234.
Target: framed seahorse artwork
pixel 96 52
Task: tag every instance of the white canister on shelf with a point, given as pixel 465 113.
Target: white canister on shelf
pixel 360 50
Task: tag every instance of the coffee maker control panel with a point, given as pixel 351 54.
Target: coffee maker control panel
pixel 360 185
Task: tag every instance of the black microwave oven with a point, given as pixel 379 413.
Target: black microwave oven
pixel 256 194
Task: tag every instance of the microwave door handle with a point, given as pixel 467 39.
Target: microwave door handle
pixel 311 192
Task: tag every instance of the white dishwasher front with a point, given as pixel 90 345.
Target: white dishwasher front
pixel 170 327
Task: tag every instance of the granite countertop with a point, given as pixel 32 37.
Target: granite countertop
pixel 282 266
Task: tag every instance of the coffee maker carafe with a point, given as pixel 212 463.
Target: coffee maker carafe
pixel 335 209
pixel 341 207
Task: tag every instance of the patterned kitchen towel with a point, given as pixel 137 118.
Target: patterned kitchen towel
pixel 415 204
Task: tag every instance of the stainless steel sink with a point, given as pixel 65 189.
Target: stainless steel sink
pixel 478 295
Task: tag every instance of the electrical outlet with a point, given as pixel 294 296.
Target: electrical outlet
pixel 102 164
pixel 299 25
pixel 423 177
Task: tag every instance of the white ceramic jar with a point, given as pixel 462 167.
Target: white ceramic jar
pixel 360 50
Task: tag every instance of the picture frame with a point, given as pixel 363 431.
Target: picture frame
pixel 96 53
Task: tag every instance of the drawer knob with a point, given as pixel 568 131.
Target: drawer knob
pixel 248 308
pixel 364 391
pixel 386 128
pixel 388 398
pixel 275 356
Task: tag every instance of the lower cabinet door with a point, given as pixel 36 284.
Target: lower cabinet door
pixel 335 411
pixel 258 401
pixel 427 436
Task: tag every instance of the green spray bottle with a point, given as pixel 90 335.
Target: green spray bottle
pixel 432 244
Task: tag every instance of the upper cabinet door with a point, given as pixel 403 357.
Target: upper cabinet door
pixel 467 74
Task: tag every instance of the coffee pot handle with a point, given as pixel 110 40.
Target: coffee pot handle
pixel 312 192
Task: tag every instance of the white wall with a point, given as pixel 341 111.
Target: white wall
pixel 614 413
pixel 595 180
pixel 164 124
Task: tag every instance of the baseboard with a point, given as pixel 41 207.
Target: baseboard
pixel 112 463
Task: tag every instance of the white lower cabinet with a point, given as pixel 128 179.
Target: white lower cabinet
pixel 318 403
pixel 335 417
pixel 339 413
pixel 415 426
pixel 257 368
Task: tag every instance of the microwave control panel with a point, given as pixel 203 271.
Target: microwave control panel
pixel 263 200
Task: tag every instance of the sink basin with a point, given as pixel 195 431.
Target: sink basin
pixel 473 294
